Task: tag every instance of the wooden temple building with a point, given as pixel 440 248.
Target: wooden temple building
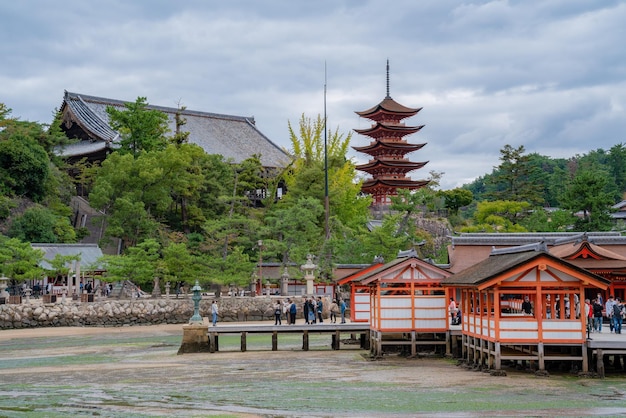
pixel 491 276
pixel 236 138
pixel 496 328
pixel 600 253
pixel 406 302
pixel 84 118
pixel 388 165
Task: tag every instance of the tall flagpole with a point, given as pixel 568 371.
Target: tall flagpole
pixel 326 202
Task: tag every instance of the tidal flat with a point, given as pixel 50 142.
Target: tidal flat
pixel 136 372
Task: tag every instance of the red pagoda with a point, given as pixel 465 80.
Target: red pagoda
pixel 389 165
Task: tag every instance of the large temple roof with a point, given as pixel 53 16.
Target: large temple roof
pixel 236 138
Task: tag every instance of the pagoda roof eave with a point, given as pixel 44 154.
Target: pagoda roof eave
pixel 391 164
pixel 393 183
pixel 406 130
pixel 391 106
pixel 390 145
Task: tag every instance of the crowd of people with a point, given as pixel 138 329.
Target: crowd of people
pixel 613 309
pixel 312 311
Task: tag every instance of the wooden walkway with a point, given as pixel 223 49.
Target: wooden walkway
pixel 334 330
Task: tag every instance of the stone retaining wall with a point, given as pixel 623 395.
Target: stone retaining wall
pixel 145 311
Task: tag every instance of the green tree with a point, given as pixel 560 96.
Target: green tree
pixel 139 264
pixel 617 166
pixel 293 231
pixel 499 216
pixel 24 167
pixel 541 220
pixel 18 260
pixel 305 179
pixel 514 177
pixel 385 241
pixel 40 224
pixel 141 129
pixel 590 194
pixel 456 198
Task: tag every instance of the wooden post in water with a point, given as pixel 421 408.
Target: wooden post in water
pixel 243 341
pixel 305 340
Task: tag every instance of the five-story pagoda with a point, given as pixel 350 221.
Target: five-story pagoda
pixel 389 165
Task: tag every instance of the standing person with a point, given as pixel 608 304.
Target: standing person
pixel 342 307
pixel 287 310
pixel 278 310
pixel 527 307
pixel 618 313
pixel 597 315
pixel 214 312
pixel 305 310
pixel 293 310
pixel 452 310
pixel 608 309
pixel 589 316
pixel 311 303
pixel 334 310
pixel 320 309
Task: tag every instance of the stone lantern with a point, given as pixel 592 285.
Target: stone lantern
pixel 196 297
pixel 308 269
pixel 3 287
pixel 284 282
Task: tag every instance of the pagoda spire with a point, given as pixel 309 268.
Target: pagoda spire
pixel 388 96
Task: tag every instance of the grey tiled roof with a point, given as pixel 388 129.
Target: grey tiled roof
pixel 89 253
pixel 522 238
pixel 90 120
pixel 234 137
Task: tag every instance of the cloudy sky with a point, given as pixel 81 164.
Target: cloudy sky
pixel 549 75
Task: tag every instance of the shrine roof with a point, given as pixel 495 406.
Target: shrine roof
pixel 569 250
pixel 371 274
pixel 469 248
pixel 521 238
pixel 391 106
pixel 89 253
pixel 501 261
pixel 236 138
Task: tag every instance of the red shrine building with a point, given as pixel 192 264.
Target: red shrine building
pixel 389 165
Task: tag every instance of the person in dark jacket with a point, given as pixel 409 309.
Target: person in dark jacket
pixel 320 309
pixel 597 316
pixel 305 310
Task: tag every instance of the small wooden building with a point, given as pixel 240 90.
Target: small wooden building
pixel 407 304
pixel 495 326
pixel 359 293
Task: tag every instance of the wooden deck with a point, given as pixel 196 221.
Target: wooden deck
pixel 334 330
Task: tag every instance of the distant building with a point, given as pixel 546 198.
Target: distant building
pixel 236 138
pixel 389 165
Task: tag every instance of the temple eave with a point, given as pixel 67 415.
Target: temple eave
pixel 377 144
